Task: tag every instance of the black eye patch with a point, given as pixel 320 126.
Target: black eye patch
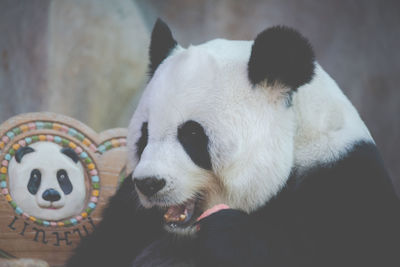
pixel 34 181
pixel 64 182
pixel 194 140
pixel 142 142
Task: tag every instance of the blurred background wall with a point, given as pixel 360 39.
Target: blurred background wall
pixel 88 58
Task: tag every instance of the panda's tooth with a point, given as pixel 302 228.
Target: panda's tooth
pixel 182 217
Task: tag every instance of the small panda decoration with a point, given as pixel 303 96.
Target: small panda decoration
pixel 47 181
pixel 246 153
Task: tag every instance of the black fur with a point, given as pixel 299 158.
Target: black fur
pixel 194 140
pixel 126 229
pixel 281 55
pixel 69 152
pixel 21 152
pixel 161 45
pixel 142 142
pixel 340 214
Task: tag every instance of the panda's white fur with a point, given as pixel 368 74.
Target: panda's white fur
pixel 327 122
pixel 48 159
pixel 255 139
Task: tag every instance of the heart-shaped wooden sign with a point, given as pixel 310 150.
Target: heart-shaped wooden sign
pixel 56 175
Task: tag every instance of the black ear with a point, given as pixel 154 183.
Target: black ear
pixel 161 44
pixel 281 55
pixel 69 152
pixel 21 152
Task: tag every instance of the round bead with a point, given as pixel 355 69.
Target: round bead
pixel 10 135
pixel 22 142
pixel 54 224
pixel 78 150
pixel 32 125
pixel 33 219
pixel 60 224
pixel 2 144
pixel 28 140
pixel 5 139
pixel 24 127
pixel 93 147
pixel 95 193
pixel 73 221
pixel 16 146
pixel 42 137
pixel 39 125
pixel 56 126
pixel 79 218
pixel 93 172
pixel 57 139
pixel 50 138
pixel 4 163
pixel 72 132
pixel 18 210
pixel 86 142
pixel 3 184
pixel 83 155
pixel 90 166
pixel 4 191
pixel 8 197
pixel 72 145
pixel 94 199
pixel 25 215
pixel 7 157
pixel 95 179
pixel 46 223
pixel 84 214
pixel 92 205
pixel 64 128
pixel 102 149
pixel 3 170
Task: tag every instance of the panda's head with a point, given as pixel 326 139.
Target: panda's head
pixel 217 123
pixel 47 181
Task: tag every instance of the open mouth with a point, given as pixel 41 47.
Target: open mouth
pixel 182 215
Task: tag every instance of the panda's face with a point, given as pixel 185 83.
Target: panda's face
pixel 206 133
pixel 47 181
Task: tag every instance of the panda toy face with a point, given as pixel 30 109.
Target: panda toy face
pixel 47 181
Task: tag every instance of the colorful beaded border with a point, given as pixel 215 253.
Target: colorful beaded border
pixel 85 158
pixel 102 148
pixel 112 143
pixel 40 125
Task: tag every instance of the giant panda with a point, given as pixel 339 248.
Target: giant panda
pixel 259 142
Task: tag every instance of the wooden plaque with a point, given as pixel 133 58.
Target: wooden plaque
pixel 30 233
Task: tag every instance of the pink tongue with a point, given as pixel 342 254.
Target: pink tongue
pixel 213 210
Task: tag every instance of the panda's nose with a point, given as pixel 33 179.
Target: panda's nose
pixel 149 186
pixel 51 195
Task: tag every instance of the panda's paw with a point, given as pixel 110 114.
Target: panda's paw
pixel 224 218
pixel 220 235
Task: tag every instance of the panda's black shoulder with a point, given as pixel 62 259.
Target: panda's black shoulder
pixel 348 205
